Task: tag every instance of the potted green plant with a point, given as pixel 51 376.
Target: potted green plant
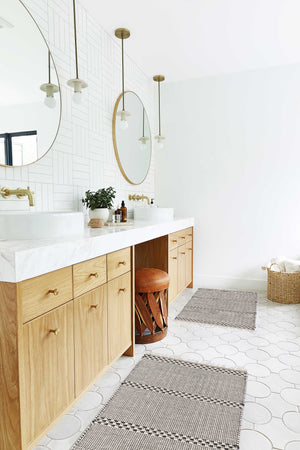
pixel 99 202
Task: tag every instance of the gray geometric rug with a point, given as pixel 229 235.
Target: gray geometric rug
pixel 235 309
pixel 171 404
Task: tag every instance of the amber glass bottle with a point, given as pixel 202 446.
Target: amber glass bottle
pixel 124 211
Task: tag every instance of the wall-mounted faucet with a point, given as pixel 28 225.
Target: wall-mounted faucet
pixel 19 192
pixel 136 197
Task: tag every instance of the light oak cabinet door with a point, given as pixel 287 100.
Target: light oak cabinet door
pixel 181 254
pixel 89 275
pixel 173 273
pixel 48 369
pixel 189 263
pixel 90 331
pixel 119 316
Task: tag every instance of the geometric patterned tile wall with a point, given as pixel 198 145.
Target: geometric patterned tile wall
pixel 82 157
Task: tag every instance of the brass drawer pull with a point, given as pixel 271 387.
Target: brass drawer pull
pixel 174 257
pixel 53 291
pixel 56 331
pixel 96 275
pixel 182 237
pixel 122 290
pixel 190 249
pixel 174 240
pixel 95 306
pixel 183 253
pixel 122 262
pixel 190 234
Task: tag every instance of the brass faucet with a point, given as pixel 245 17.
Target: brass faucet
pixel 20 193
pixel 136 197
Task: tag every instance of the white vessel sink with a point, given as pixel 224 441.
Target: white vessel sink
pixel 40 225
pixel 154 214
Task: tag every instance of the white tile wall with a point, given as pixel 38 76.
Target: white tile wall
pixel 83 156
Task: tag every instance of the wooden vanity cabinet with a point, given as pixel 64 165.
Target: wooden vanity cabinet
pixel 48 364
pixel 58 333
pixel 90 335
pixel 180 267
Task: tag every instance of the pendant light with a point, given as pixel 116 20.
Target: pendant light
pixel 49 88
pixel 159 138
pixel 123 33
pixel 76 83
pixel 143 139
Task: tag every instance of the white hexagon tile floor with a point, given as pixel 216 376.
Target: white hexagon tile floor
pixel 271 355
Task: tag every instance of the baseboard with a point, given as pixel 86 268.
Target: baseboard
pixel 221 282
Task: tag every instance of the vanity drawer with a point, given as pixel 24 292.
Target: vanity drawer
pixel 41 294
pixel 118 263
pixel 88 275
pixel 189 234
pixel 173 241
pixel 182 236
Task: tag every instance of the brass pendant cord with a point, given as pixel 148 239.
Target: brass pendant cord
pixel 123 100
pixel 159 124
pixel 75 38
pixel 49 68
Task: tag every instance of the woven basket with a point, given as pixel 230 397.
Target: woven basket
pixel 283 287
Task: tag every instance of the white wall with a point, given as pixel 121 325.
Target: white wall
pixel 232 161
pixel 82 157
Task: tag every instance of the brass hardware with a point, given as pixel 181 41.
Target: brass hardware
pixel 96 275
pixel 190 234
pixel 53 291
pixel 122 262
pixel 182 253
pixel 174 257
pixel 95 306
pixel 182 237
pixel 122 290
pixel 19 193
pixel 190 249
pixel 136 197
pixel 174 240
pixel 56 331
pixel 158 78
pixel 122 33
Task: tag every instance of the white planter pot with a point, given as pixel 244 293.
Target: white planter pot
pixel 99 213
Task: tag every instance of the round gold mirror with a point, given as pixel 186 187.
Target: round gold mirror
pixel 30 101
pixel 132 137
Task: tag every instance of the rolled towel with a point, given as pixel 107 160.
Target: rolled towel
pixel 292 265
pixel 277 264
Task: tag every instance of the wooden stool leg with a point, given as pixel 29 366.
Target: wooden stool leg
pixel 152 313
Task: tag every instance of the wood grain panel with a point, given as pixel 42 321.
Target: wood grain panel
pixel 181 254
pixel 10 427
pixel 118 262
pixel 48 369
pixel 153 254
pixel 173 273
pixel 173 241
pixel 46 292
pixel 119 316
pixel 130 350
pixel 88 275
pixel 189 263
pixel 90 331
pixel 189 234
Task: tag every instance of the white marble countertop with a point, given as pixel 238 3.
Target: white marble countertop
pixel 23 259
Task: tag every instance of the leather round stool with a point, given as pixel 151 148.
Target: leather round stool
pixel 151 305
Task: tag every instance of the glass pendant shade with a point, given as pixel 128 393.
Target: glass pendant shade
pixel 123 33
pixel 123 124
pixel 159 138
pixel 49 88
pixel 160 142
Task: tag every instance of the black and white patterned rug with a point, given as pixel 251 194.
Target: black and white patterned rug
pixel 171 404
pixel 236 309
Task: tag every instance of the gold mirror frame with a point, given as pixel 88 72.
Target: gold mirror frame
pixel 115 139
pixel 59 85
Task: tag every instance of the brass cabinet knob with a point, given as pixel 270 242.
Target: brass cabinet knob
pixel 55 331
pixel 191 234
pixel 96 275
pixel 174 240
pixel 182 237
pixel 190 249
pixel 122 263
pixel 53 291
pixel 183 253
pixel 174 257
pixel 95 306
pixel 122 290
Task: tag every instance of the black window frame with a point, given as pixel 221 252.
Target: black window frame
pixel 8 143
